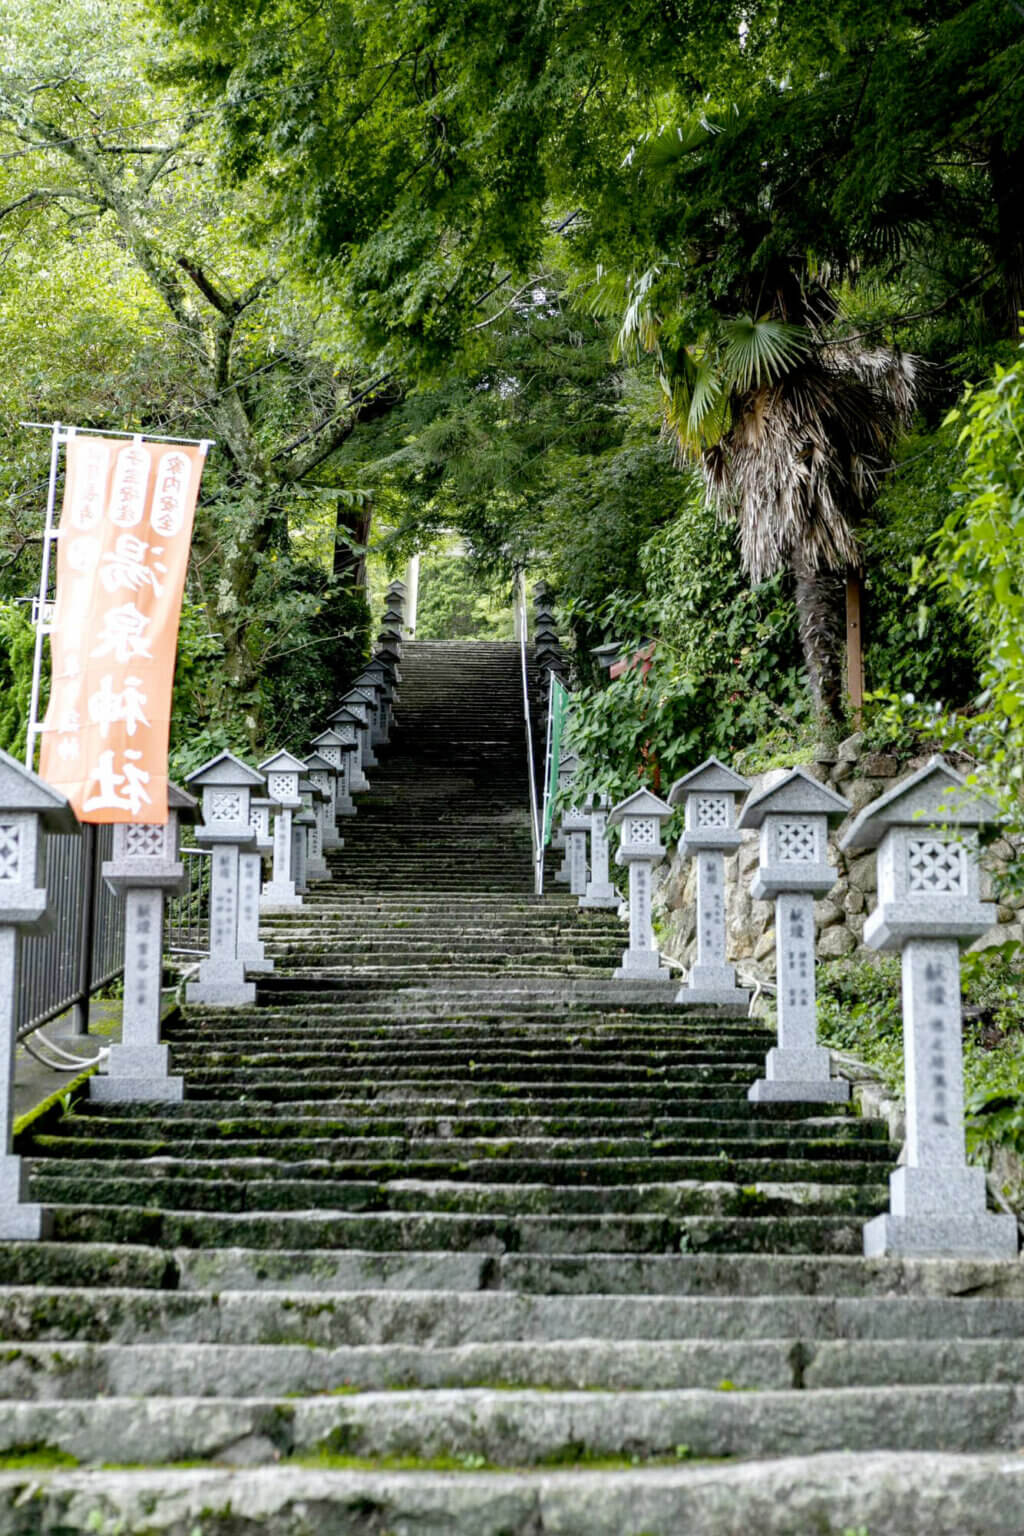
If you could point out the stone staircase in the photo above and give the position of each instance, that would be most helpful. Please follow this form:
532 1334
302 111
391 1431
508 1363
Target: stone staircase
455 1236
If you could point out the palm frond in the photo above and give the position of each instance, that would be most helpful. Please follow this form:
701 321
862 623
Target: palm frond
641 323
759 352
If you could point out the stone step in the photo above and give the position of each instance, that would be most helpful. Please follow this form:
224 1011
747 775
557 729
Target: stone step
294 1161
425 1320
553 1056
650 1278
521 1427
40 1372
478 1196
886 1493
402 1232
697 1083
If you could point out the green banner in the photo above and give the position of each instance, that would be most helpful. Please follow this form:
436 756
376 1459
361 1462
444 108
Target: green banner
559 715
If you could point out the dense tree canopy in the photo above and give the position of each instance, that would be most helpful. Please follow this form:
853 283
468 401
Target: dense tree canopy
513 274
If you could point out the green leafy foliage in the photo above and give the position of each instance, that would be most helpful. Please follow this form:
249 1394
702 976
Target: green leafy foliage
978 564
725 673
17 644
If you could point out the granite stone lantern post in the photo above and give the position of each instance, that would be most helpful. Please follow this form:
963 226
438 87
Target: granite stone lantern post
145 868
793 818
353 716
388 657
251 948
929 905
390 639
373 689
379 674
567 766
600 893
302 821
28 808
227 785
575 826
338 745
356 700
325 771
318 799
641 818
283 772
709 794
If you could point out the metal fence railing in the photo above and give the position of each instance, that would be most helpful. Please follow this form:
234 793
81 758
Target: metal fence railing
84 948
187 916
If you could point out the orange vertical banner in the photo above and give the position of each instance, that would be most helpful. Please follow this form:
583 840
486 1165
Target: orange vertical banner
122 553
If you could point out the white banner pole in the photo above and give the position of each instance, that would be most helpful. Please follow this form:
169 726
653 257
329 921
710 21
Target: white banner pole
42 601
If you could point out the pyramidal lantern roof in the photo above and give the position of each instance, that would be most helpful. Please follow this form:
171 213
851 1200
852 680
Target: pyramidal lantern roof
640 803
177 800
799 793
710 775
225 768
23 790
936 795
328 738
283 762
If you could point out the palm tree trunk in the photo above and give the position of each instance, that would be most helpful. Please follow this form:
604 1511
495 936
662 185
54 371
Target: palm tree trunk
821 612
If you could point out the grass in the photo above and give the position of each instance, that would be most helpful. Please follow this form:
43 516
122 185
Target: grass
35 1455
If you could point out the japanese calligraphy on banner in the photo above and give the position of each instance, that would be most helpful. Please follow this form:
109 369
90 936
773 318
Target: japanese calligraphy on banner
125 531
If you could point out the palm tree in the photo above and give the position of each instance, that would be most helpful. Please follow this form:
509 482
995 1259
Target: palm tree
791 430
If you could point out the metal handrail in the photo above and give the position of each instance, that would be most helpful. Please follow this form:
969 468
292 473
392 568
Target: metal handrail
535 829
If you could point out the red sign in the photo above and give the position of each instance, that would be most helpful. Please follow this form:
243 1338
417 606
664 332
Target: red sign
125 532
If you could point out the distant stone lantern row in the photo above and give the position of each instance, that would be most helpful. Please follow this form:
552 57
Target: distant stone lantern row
295 821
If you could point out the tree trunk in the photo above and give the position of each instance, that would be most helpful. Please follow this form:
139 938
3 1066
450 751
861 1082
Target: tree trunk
821 611
1006 172
353 523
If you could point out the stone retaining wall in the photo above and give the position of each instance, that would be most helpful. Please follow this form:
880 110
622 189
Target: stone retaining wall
839 919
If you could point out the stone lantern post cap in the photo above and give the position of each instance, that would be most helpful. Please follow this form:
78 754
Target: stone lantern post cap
225 769
345 716
387 657
799 794
23 790
318 763
185 804
387 635
328 738
935 795
640 803
262 804
367 679
283 762
709 775
397 585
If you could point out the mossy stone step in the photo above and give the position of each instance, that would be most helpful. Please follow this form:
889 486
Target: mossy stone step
519 1427
401 1232
59 1372
290 1163
888 1493
466 1195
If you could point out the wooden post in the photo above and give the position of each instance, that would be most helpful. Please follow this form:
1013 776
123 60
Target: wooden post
854 646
